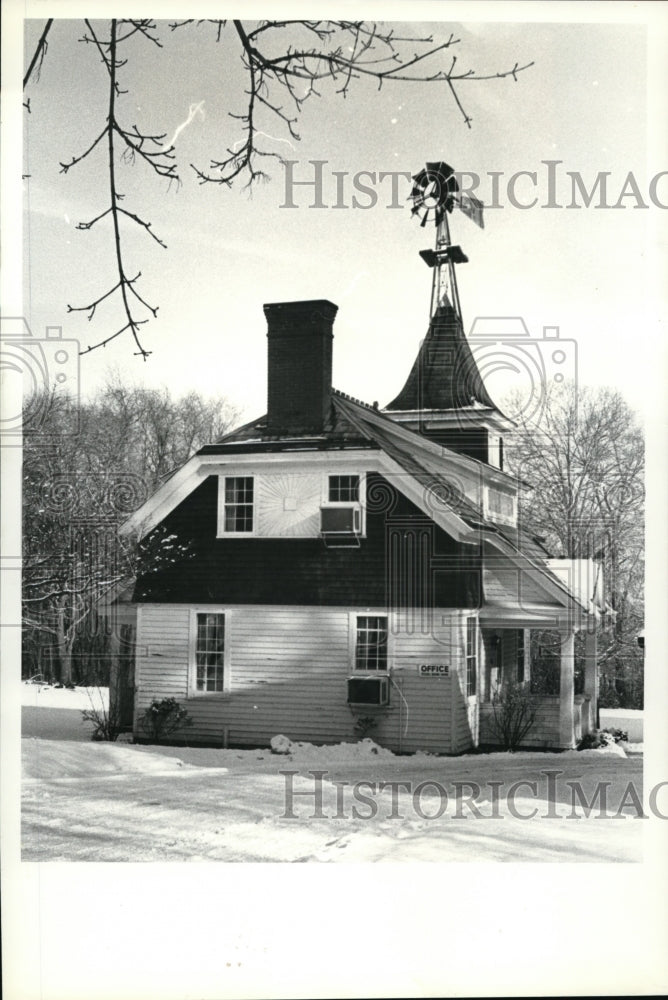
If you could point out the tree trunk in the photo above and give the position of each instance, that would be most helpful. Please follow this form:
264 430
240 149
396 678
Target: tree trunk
64 648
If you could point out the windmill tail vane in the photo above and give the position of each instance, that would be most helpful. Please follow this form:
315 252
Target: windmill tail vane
472 207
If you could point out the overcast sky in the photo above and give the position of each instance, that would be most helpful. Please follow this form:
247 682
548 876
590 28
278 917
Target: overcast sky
583 102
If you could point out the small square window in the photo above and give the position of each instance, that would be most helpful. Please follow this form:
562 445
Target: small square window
344 489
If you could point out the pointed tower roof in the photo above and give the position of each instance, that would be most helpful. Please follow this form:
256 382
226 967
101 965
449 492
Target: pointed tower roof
445 375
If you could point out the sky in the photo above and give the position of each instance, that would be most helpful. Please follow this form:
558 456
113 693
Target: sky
584 102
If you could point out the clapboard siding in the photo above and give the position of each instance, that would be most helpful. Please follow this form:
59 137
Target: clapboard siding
288 674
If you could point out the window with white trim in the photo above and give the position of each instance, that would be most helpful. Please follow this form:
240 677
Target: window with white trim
371 643
520 656
238 505
500 506
209 666
344 489
471 656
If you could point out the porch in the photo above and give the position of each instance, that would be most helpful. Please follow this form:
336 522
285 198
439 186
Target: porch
541 656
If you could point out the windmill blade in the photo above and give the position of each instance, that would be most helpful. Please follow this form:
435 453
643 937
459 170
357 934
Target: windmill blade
436 180
444 174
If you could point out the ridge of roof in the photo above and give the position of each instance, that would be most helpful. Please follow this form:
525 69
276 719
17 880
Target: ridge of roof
337 432
422 442
398 449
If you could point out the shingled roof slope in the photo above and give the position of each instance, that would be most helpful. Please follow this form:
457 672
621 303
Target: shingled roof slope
337 432
444 375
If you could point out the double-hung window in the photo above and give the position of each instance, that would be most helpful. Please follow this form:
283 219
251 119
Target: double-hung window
471 656
238 505
371 643
209 665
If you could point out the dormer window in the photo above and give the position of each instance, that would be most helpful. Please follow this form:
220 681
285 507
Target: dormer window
500 506
344 489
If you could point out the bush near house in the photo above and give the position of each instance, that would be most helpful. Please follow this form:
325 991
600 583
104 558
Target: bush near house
602 738
514 714
106 718
163 717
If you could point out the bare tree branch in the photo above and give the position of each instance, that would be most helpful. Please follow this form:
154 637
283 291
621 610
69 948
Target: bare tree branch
286 63
161 160
363 51
38 55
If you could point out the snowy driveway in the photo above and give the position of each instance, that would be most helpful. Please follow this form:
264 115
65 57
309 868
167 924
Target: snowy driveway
108 802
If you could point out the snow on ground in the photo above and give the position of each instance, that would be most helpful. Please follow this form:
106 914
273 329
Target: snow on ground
48 696
55 713
85 801
105 802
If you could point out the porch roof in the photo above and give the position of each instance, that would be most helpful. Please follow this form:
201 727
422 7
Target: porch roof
529 615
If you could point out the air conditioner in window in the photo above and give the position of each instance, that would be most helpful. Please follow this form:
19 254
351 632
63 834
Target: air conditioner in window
368 690
344 521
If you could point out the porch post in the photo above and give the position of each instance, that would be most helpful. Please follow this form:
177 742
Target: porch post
591 671
114 654
567 689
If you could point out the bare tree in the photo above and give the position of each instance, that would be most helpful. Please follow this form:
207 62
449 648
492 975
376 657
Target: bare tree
151 432
71 555
285 64
585 464
78 487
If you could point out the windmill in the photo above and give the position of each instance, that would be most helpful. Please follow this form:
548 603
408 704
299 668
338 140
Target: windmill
434 194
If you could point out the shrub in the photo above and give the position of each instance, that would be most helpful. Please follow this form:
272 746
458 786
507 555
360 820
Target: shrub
106 719
163 717
602 738
514 714
364 724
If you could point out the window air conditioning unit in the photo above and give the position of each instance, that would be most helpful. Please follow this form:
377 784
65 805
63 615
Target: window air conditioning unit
369 690
344 522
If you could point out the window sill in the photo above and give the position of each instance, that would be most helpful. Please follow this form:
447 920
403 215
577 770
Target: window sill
210 695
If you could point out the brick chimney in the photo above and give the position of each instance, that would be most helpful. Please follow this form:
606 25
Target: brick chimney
299 336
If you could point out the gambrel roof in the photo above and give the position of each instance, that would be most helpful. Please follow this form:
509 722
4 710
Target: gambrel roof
446 486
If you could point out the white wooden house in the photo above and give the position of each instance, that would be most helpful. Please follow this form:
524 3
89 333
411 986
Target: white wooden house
346 562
